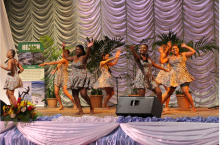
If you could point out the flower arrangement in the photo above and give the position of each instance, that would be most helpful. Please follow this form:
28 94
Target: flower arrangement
23 111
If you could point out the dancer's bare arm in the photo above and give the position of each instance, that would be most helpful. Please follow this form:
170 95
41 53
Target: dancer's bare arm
56 62
158 66
136 56
66 56
190 52
89 45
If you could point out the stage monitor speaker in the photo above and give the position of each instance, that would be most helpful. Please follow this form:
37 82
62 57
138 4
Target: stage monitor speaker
139 106
2 104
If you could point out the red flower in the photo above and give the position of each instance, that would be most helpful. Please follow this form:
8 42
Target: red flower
30 108
19 100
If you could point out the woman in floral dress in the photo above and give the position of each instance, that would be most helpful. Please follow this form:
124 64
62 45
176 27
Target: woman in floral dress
13 81
179 74
144 79
78 80
61 79
105 80
162 75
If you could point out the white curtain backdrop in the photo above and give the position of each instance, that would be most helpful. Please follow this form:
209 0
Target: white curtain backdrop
72 21
6 44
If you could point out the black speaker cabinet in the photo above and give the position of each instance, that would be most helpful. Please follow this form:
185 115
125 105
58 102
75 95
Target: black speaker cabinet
139 106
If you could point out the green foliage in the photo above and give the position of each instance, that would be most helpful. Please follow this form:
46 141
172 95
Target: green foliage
180 92
201 45
96 91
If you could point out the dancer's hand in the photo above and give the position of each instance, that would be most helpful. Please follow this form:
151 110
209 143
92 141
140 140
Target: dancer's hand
118 53
41 65
63 45
53 72
160 50
90 44
131 47
183 45
1 66
166 70
169 43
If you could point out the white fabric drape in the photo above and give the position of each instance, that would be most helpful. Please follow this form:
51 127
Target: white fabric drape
80 130
172 133
6 44
68 133
73 21
3 128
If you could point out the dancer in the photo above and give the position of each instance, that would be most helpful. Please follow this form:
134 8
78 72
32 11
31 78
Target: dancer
144 79
179 74
61 79
13 80
162 75
78 80
105 80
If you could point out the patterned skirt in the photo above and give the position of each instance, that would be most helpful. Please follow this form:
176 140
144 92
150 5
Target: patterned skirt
13 82
141 83
78 79
104 81
163 77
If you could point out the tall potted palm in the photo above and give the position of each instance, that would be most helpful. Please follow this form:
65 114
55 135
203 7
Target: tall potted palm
106 45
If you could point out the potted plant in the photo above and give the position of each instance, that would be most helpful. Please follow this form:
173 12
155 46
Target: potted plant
181 100
51 53
96 98
105 45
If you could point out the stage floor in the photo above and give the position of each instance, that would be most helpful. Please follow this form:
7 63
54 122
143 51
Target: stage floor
99 112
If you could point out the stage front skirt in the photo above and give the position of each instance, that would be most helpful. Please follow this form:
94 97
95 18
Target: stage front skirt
87 129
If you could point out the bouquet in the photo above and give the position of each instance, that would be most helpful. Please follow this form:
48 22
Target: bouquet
23 111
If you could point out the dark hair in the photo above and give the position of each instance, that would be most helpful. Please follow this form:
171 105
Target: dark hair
82 48
102 55
145 54
13 54
68 52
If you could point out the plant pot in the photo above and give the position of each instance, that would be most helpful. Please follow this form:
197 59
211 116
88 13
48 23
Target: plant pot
182 102
52 102
133 95
96 100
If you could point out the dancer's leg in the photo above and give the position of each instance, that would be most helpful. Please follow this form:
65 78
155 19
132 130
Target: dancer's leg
11 96
167 101
168 93
158 92
83 93
57 89
8 97
75 94
109 94
141 92
188 96
70 97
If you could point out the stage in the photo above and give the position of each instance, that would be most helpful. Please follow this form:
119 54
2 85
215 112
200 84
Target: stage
99 112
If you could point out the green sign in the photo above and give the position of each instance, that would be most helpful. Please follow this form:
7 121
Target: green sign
25 46
32 67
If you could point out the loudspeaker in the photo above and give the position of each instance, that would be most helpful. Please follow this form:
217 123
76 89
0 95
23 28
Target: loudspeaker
139 106
1 107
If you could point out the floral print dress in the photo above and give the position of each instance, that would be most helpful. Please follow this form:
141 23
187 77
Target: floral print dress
144 78
105 80
163 76
78 76
13 81
179 73
62 75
